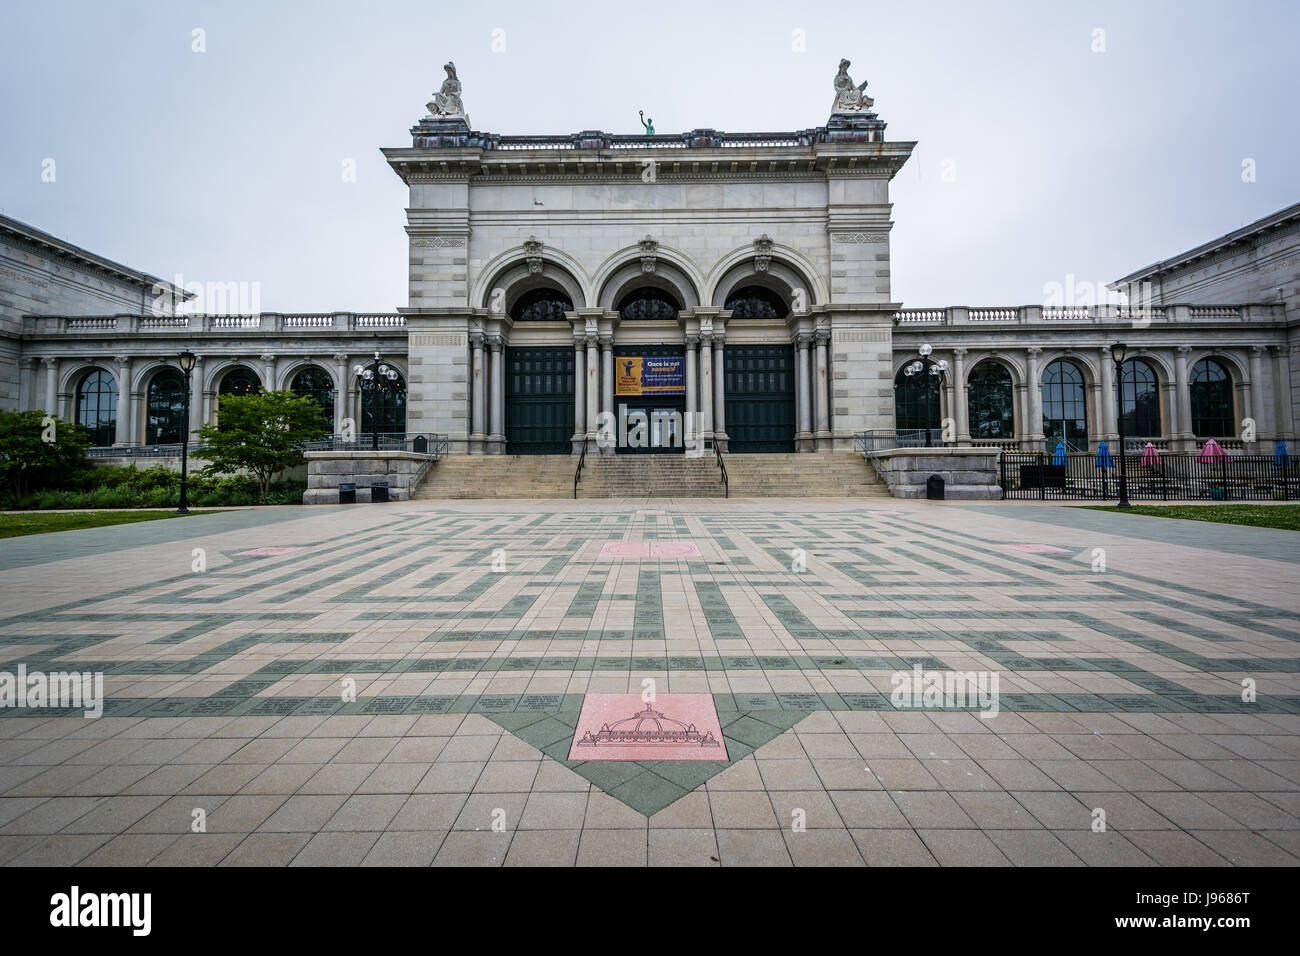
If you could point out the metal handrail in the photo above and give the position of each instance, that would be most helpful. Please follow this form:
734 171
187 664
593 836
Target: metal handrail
726 482
582 459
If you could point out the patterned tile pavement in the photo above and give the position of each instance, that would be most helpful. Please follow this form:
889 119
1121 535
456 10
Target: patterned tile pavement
369 685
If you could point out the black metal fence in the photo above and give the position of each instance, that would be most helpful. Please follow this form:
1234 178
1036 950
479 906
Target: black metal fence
1175 476
419 443
881 439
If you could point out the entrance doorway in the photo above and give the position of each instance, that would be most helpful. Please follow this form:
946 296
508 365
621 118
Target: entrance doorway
760 398
651 426
650 399
539 401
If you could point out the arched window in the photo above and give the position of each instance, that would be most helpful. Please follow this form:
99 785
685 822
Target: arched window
648 304
240 381
541 305
315 383
1139 399
97 406
1065 416
756 302
916 401
1211 388
165 408
384 410
991 401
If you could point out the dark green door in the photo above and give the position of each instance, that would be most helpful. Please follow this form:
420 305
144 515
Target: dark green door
539 401
759 381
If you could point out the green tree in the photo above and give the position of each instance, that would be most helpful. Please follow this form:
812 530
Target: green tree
261 434
37 450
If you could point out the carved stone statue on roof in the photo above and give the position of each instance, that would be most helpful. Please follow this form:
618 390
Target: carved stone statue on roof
446 102
850 98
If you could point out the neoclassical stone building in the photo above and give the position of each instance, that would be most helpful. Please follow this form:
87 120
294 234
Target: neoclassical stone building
651 292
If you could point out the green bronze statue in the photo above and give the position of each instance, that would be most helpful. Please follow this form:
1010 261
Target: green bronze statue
649 124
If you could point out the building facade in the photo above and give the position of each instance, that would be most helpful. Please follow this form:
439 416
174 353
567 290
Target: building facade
660 292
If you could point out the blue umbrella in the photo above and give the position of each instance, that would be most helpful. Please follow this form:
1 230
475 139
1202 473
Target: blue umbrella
1103 456
1280 457
1059 457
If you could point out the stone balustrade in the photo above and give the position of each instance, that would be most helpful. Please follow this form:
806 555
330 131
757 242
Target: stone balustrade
1037 315
272 322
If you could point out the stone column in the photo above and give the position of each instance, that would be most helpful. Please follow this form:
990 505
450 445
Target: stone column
960 407
497 416
706 387
123 434
593 385
478 394
29 393
1022 415
1284 427
821 392
268 371
719 391
340 390
51 385
1035 389
1183 399
1169 405
1109 428
1256 393
803 434
196 395
690 425
607 386
579 390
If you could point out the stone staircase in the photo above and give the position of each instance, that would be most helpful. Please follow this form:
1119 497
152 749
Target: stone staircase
824 474
499 476
650 476
811 475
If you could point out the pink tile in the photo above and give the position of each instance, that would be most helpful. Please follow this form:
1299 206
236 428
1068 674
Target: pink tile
672 727
264 552
1036 548
650 549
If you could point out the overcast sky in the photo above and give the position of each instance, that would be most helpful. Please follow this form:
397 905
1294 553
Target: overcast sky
1046 148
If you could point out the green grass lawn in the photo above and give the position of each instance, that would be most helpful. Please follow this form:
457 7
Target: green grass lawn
41 522
1286 517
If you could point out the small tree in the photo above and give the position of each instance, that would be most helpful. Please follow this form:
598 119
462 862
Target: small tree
261 434
37 450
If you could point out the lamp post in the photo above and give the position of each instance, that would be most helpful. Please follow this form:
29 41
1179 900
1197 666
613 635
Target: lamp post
1117 354
186 360
372 379
935 371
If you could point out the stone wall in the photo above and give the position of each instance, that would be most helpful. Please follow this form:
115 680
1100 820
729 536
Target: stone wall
969 474
326 470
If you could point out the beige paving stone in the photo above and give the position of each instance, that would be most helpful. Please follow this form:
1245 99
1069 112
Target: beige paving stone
475 848
682 847
544 848
267 849
828 847
733 809
752 848
338 848
198 849
956 847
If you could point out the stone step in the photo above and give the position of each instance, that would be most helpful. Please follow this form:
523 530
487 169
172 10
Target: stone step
825 474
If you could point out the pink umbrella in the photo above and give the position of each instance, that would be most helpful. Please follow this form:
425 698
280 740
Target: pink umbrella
1212 452
1150 456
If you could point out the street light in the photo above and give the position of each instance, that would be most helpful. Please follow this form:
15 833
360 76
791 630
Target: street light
936 371
187 359
374 378
1117 354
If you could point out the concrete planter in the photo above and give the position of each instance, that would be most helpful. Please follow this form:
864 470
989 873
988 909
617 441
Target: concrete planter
969 474
326 470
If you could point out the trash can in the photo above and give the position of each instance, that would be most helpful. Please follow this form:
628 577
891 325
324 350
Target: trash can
420 445
934 488
378 491
347 493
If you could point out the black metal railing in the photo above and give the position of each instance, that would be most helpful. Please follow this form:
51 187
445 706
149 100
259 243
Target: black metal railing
420 443
883 439
577 472
1173 476
722 467
166 450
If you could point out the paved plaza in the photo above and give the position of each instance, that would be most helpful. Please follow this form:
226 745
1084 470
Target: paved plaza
401 684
